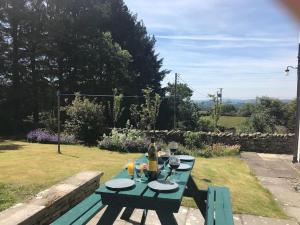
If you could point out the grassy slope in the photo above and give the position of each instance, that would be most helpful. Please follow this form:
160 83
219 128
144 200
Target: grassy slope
28 168
231 121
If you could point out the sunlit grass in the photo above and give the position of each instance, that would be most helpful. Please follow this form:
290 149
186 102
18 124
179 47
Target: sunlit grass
27 168
231 121
248 196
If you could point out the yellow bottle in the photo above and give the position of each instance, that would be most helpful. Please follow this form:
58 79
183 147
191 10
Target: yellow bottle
153 161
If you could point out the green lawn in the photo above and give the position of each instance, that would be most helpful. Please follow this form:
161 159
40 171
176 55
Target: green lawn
27 168
231 121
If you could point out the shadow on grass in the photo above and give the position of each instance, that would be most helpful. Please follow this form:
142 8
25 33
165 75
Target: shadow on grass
8 147
206 180
73 156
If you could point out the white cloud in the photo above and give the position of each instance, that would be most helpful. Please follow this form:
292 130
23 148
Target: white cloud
242 45
224 38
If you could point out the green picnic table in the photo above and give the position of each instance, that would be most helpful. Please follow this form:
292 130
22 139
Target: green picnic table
142 197
213 203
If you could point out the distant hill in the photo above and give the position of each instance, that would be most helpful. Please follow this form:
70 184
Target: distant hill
236 102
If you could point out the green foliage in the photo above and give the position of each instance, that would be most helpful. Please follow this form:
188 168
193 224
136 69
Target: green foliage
290 115
193 140
246 110
208 151
48 120
117 108
186 109
129 140
145 116
267 115
85 45
218 150
228 109
85 119
204 124
260 121
216 110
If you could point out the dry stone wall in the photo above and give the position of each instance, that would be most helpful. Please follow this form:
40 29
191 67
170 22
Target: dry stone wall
255 142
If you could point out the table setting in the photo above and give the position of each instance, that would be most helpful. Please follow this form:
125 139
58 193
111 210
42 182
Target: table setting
155 181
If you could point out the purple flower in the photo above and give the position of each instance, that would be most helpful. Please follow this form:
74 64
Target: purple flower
42 136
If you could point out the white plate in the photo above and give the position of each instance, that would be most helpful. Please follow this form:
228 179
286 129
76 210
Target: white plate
163 186
119 183
184 166
186 158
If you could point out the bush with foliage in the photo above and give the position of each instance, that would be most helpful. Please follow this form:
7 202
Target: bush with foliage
218 149
145 115
209 151
204 124
259 121
193 140
48 120
85 119
290 115
130 140
44 136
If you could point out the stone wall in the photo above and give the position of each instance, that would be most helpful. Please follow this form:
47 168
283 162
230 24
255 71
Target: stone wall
49 204
255 142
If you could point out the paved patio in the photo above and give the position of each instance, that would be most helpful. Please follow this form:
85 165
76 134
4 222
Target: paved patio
190 216
280 176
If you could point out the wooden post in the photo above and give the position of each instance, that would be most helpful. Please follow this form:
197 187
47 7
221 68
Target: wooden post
58 122
175 98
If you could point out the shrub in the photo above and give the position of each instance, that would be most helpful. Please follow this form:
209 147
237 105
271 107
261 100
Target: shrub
48 121
219 149
130 140
193 140
44 136
205 124
86 120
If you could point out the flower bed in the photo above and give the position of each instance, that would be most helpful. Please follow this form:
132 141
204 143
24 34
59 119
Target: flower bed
44 136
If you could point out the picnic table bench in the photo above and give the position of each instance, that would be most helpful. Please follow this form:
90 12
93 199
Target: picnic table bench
213 203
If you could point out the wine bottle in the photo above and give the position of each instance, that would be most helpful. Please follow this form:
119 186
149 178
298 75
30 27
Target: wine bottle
153 160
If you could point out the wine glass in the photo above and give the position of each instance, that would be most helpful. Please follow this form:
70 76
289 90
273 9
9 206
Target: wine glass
174 163
173 146
139 168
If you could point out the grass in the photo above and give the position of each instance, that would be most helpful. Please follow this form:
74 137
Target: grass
27 168
231 121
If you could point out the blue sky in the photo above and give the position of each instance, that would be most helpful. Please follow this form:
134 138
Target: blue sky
242 46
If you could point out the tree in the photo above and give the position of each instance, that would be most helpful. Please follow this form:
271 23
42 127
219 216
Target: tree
262 121
146 115
247 109
84 45
117 108
204 124
228 109
216 110
132 35
85 119
185 107
290 115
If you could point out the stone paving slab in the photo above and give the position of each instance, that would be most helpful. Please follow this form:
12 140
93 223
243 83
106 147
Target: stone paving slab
281 177
191 216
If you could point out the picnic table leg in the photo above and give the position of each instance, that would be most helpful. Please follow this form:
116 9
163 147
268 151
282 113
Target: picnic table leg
127 213
110 215
199 196
143 220
166 218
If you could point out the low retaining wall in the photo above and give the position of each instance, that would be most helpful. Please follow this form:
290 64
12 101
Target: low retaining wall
49 204
255 142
